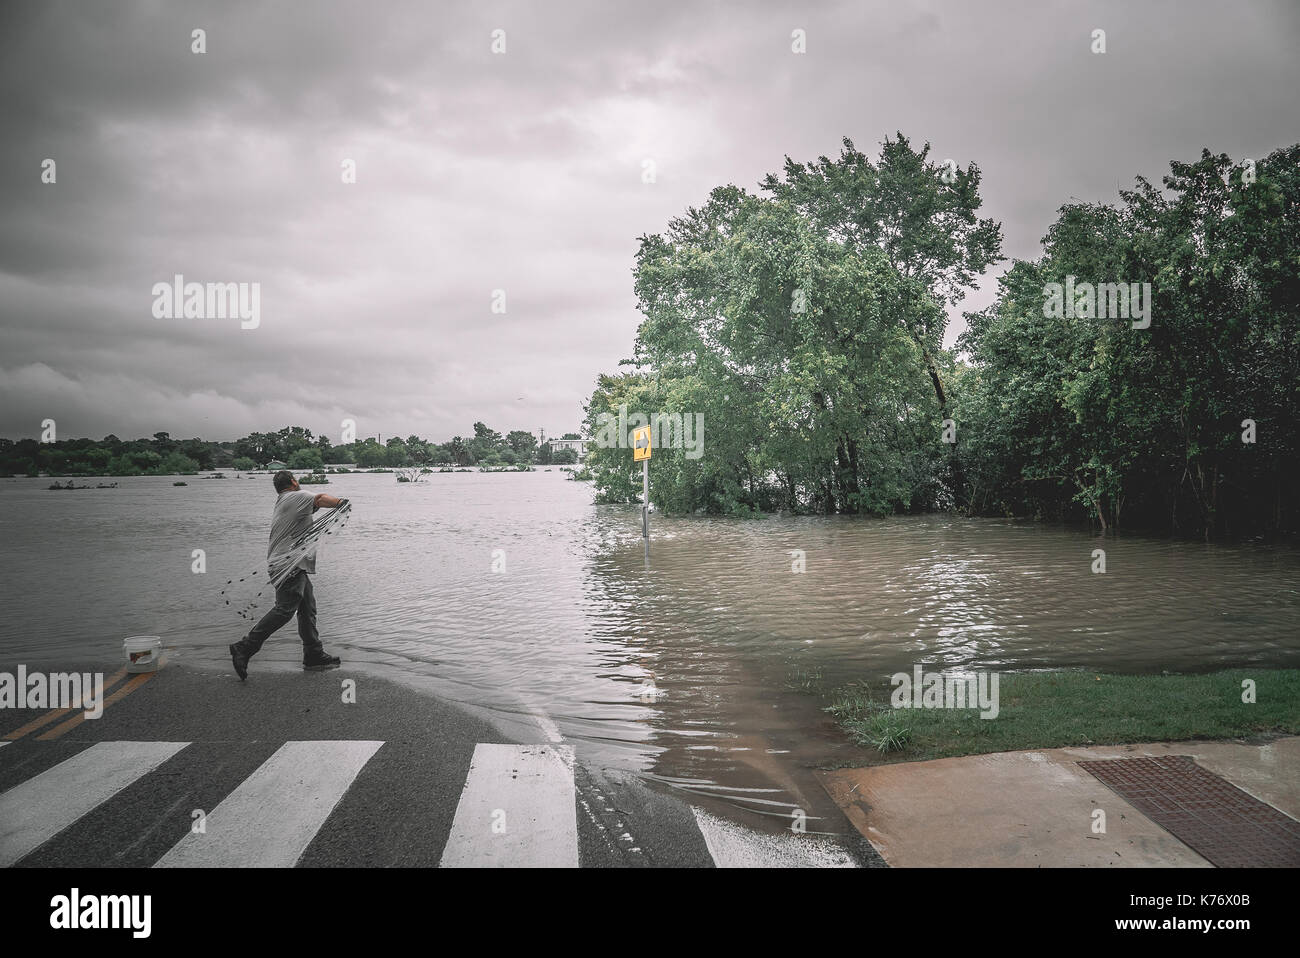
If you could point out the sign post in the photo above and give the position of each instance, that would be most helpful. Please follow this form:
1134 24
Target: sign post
641 454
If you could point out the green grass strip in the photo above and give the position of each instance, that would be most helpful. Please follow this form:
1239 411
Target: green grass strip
1059 709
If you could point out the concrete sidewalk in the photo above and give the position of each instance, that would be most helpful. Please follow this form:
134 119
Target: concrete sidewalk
1029 809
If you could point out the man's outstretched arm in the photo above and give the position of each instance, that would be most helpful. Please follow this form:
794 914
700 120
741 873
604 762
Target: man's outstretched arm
325 501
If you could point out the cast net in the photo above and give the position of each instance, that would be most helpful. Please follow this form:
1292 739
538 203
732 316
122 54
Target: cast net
239 592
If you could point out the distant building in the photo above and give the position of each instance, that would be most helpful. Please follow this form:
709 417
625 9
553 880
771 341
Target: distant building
577 445
276 464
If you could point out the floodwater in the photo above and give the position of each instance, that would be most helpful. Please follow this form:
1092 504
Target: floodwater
514 594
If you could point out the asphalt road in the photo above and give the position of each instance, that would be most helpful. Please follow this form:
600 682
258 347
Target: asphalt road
394 778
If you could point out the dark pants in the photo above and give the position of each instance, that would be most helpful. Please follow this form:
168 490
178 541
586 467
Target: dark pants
293 595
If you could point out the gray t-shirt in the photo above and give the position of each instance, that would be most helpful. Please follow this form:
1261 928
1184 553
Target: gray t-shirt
289 522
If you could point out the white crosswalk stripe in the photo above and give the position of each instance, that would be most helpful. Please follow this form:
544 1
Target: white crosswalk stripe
732 846
35 811
517 810
271 818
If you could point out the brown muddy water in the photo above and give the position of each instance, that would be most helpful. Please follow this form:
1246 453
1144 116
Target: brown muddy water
695 673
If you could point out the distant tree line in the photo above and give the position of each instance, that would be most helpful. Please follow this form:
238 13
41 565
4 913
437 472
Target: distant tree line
295 446
806 323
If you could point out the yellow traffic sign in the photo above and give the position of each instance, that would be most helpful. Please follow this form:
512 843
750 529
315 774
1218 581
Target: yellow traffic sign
640 443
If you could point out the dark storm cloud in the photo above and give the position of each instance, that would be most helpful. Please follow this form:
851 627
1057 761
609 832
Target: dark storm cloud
520 172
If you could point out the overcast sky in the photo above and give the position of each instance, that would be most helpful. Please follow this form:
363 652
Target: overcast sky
519 171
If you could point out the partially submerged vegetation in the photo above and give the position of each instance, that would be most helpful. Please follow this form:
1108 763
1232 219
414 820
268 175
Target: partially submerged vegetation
805 324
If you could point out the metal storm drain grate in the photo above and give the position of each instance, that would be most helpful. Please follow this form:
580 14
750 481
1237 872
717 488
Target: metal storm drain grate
1226 826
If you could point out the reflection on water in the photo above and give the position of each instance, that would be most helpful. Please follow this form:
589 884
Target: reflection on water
689 672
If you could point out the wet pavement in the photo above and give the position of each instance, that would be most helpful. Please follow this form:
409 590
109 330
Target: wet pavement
1054 808
192 767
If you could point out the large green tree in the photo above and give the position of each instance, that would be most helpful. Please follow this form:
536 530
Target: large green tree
920 214
807 326
1095 418
786 340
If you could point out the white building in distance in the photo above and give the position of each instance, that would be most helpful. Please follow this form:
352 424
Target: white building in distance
577 445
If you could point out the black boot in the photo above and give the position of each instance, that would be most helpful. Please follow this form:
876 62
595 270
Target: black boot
319 662
240 661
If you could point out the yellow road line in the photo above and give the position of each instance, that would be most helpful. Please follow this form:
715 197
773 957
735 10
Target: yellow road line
49 717
80 717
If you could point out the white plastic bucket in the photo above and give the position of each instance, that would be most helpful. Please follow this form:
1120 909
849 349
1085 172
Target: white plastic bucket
142 653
